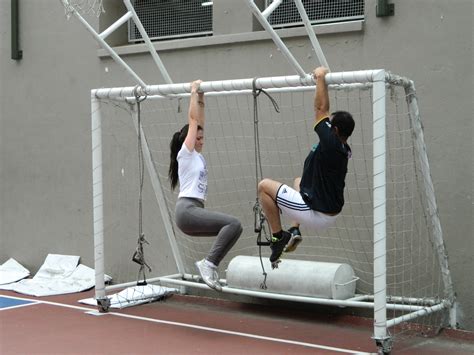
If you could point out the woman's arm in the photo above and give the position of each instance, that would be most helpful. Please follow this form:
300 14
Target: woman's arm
195 114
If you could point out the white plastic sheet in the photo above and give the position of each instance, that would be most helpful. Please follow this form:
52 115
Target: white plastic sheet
12 271
59 274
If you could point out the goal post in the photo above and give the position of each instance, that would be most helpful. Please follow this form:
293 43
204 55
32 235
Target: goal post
379 206
389 230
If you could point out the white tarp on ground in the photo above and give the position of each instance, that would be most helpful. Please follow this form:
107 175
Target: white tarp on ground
135 295
12 271
59 274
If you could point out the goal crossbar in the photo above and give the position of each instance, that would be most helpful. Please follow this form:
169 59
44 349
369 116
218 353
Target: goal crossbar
291 81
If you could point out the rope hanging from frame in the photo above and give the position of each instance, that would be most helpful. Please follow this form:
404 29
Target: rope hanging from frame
139 255
259 216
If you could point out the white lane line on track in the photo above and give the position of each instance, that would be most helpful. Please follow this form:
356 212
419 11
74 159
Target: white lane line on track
209 329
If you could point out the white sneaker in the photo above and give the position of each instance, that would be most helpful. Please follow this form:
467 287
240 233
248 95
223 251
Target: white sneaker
208 274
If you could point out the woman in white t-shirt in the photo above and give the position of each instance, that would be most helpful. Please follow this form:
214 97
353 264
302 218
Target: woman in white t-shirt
188 167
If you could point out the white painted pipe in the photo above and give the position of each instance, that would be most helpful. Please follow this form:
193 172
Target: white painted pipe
432 206
268 11
104 34
149 44
276 39
419 313
97 199
109 49
190 281
380 213
312 36
249 92
363 76
283 297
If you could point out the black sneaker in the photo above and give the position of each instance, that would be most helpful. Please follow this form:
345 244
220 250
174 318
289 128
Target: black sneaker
277 246
295 240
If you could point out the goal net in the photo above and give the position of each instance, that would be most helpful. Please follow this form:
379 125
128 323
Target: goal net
413 262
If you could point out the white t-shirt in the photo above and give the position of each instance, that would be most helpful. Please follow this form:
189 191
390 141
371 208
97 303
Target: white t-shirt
192 174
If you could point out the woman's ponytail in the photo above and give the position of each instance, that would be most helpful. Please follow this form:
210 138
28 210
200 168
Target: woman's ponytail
175 146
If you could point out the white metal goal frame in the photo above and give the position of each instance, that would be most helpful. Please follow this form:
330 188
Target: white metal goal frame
377 79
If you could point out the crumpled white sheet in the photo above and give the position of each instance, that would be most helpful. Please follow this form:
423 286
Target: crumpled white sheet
135 295
12 271
59 274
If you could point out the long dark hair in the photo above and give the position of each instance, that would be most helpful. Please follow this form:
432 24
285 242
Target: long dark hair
175 146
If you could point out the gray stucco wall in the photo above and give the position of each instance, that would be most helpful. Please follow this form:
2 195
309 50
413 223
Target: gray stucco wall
45 177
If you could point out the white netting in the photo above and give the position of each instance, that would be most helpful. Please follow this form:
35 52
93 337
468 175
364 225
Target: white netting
285 140
86 7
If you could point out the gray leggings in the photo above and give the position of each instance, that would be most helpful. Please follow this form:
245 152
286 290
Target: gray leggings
194 220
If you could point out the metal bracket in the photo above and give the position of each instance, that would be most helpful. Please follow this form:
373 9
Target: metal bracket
384 345
103 304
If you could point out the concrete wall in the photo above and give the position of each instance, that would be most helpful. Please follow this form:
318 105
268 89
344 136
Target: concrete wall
45 160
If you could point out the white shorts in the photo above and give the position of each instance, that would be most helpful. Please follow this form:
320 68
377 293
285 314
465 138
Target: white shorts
293 206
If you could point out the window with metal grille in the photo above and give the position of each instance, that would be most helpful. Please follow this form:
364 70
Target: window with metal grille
167 19
319 11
